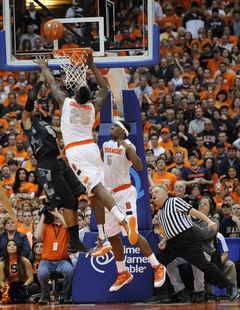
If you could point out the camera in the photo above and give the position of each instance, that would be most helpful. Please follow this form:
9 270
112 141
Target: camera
49 217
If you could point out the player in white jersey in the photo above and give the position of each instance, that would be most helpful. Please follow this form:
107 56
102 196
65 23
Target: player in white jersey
119 155
78 116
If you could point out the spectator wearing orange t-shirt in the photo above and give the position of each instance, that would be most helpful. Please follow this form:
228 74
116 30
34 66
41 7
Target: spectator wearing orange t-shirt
168 178
70 42
201 40
166 143
27 222
229 78
213 64
11 144
176 147
55 239
172 48
158 92
145 124
7 181
218 195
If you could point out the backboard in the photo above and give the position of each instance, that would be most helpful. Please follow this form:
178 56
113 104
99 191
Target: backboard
145 55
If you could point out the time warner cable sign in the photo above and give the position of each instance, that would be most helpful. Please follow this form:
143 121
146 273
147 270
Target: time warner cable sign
95 275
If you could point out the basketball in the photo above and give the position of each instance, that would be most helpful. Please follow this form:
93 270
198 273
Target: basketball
53 29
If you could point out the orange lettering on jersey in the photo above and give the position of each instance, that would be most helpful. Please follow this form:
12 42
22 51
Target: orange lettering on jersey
74 167
86 180
76 105
113 150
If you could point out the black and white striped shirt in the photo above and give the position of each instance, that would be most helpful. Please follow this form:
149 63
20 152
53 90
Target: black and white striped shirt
173 217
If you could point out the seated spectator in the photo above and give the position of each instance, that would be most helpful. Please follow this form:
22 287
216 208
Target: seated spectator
21 188
13 106
230 226
11 144
197 125
170 122
27 222
172 47
210 164
7 181
230 185
226 208
225 123
177 79
143 87
229 78
87 219
153 118
168 178
83 203
189 114
213 64
12 233
54 256
145 124
216 24
210 136
158 150
158 92
20 154
35 260
201 176
217 197
176 147
164 72
187 140
13 259
144 101
218 215
235 108
30 35
231 159
70 42
166 141
200 144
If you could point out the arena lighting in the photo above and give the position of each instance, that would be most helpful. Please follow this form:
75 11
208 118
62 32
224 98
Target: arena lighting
49 3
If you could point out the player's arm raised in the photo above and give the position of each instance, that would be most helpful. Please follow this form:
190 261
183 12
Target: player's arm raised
56 92
103 92
131 155
29 107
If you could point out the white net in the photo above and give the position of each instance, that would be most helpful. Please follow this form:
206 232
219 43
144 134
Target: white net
71 62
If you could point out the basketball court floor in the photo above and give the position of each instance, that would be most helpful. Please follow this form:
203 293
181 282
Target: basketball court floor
210 305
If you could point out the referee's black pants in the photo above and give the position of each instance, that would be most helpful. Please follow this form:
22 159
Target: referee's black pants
188 245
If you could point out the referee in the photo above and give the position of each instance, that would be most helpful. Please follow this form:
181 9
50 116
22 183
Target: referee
182 240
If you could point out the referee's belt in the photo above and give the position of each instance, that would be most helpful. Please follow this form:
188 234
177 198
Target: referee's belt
120 188
77 143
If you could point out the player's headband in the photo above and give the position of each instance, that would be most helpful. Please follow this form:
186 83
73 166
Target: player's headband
123 127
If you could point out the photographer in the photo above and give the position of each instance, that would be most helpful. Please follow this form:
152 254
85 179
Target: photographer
52 231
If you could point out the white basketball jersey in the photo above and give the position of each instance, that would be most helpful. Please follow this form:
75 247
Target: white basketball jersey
77 121
116 164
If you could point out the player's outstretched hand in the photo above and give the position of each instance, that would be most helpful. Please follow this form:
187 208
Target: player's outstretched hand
88 60
41 61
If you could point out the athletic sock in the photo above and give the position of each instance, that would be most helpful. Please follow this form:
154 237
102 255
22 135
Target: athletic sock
73 234
120 266
153 260
102 231
117 213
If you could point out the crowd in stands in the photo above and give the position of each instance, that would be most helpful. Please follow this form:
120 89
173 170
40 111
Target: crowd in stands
190 107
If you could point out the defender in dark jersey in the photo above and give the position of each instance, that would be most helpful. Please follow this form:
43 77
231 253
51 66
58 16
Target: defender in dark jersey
57 179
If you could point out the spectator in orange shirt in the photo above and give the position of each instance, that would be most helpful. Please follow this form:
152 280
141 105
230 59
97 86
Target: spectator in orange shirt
213 64
27 222
229 78
200 144
168 178
23 94
20 154
145 124
21 188
218 195
235 108
201 40
7 181
176 147
136 81
172 48
11 144
230 185
158 92
70 42
166 143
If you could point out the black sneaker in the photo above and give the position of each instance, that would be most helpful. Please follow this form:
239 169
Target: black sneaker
183 295
79 247
233 293
43 300
67 299
200 297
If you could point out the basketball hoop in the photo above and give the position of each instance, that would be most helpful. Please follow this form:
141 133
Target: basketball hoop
71 61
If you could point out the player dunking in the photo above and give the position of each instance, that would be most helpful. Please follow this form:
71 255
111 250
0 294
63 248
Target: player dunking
119 155
78 117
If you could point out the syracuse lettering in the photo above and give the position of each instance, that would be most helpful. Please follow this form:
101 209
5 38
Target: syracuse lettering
113 151
76 105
